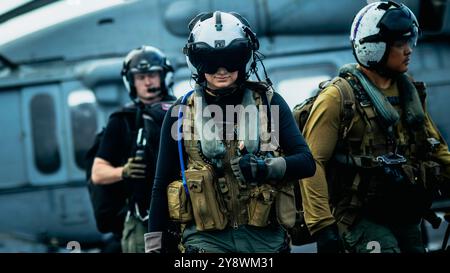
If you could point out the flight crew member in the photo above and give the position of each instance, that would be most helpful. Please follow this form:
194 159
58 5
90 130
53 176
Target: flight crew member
376 174
129 148
235 191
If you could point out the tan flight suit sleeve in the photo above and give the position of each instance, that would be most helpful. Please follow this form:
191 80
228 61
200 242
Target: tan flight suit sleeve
441 155
321 134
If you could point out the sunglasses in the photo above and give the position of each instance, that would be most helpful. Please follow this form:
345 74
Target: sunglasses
207 59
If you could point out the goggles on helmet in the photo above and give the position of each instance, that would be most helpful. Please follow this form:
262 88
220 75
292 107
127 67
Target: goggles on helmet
397 24
144 68
207 59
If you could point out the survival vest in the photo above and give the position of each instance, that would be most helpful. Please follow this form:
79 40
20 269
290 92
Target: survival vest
214 198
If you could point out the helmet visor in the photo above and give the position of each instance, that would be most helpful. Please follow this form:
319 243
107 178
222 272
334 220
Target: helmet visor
207 59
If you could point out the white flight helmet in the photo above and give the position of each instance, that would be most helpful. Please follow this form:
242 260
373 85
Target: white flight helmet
220 39
376 27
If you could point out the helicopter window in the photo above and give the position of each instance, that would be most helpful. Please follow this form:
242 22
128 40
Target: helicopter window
83 117
3 70
290 89
43 123
12 169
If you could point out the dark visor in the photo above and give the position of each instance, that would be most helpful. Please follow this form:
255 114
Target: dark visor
207 59
396 24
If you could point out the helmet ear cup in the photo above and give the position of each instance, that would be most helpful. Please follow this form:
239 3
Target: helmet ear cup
127 78
167 76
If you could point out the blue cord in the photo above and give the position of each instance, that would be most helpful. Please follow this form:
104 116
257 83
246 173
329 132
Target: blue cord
180 141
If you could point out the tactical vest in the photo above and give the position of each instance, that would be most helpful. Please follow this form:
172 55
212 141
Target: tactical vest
219 200
386 173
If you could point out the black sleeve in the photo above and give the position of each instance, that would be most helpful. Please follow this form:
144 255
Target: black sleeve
299 160
113 144
167 170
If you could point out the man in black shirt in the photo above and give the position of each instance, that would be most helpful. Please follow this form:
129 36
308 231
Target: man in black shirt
128 151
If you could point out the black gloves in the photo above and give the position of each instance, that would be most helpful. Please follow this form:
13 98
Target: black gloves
329 241
249 168
134 168
252 169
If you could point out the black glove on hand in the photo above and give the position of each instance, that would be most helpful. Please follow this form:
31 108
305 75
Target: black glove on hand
329 241
252 169
134 169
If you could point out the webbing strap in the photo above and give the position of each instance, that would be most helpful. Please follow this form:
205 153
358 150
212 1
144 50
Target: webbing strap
180 139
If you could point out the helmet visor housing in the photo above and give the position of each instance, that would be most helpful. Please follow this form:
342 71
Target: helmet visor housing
397 24
207 59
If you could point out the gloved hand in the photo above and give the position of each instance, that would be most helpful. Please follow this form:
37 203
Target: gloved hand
329 241
153 242
252 169
134 168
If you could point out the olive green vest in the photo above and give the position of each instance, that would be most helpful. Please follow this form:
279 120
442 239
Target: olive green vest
218 199
355 171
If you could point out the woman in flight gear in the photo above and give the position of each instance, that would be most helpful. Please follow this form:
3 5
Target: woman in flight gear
239 150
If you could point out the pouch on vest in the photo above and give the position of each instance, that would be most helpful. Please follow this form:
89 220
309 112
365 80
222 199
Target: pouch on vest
204 199
285 206
261 199
180 208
